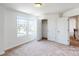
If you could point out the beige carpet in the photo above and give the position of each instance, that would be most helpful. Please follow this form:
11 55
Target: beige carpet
43 48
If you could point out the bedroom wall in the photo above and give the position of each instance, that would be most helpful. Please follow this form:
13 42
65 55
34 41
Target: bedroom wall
8 26
10 33
57 28
1 30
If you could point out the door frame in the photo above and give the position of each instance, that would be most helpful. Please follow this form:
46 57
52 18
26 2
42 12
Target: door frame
42 29
69 26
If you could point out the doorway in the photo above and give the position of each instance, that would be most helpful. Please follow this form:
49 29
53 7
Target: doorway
44 28
73 31
72 26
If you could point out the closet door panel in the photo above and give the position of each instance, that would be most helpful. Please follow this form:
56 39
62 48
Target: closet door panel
52 29
62 31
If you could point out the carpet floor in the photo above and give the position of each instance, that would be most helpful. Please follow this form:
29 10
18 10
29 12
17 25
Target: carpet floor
43 48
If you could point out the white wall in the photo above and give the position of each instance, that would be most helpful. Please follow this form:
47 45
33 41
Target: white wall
57 28
10 37
72 12
10 29
52 26
1 30
8 25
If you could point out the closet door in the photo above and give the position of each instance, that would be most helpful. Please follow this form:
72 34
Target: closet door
62 31
52 29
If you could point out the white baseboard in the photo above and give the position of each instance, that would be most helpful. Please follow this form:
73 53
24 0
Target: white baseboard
1 53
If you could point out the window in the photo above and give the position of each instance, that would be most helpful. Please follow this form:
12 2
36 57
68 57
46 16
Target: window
32 29
21 26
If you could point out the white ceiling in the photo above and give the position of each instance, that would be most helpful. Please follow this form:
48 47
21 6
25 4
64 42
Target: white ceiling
46 7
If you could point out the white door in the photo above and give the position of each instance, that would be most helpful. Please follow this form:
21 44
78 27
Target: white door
62 31
52 29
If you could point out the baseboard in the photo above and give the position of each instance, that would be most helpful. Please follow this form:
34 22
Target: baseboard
18 45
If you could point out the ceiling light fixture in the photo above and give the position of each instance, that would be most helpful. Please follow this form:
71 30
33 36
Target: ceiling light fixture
38 4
